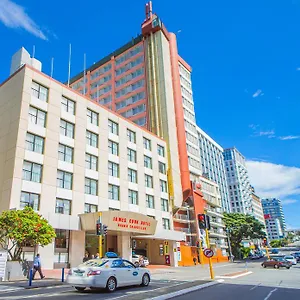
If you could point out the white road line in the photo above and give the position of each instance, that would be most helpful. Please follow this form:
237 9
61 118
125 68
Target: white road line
253 288
270 294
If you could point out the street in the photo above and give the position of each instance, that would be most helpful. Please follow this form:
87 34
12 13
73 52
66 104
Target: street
233 281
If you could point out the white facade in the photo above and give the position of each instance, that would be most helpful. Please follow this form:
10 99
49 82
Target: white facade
238 182
257 208
65 155
192 142
217 234
274 229
213 165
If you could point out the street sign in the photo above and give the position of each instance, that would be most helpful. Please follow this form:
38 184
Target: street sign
208 252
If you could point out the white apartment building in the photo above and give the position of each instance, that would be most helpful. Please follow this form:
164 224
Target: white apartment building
69 158
257 207
238 182
213 165
212 196
192 142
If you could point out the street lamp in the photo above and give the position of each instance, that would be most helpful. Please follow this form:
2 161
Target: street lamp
229 244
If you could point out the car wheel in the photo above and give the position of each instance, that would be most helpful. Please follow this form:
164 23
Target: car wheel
276 267
80 288
111 284
288 268
145 280
264 266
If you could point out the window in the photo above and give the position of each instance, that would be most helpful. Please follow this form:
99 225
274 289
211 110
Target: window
148 181
63 207
166 223
113 147
113 192
37 116
133 197
164 204
162 167
91 186
163 186
65 153
61 246
91 162
113 127
64 180
30 199
161 150
90 208
147 162
32 171
92 139
113 169
147 144
39 91
93 117
131 154
131 136
149 201
34 143
68 105
67 129
132 175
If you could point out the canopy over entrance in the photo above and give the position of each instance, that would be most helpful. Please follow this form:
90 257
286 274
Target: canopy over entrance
120 221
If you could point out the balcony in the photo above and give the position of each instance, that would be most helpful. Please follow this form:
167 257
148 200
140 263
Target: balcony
183 218
216 224
217 233
188 231
214 211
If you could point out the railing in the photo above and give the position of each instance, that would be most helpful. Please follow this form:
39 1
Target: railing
183 217
186 230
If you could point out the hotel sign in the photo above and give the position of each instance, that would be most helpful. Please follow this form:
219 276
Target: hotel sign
124 221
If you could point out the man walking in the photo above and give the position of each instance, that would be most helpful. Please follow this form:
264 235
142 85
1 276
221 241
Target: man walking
37 266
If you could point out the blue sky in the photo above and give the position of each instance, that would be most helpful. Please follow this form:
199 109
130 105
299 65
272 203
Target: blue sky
245 57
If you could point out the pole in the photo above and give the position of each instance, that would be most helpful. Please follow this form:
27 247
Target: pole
189 225
212 274
267 252
69 64
62 274
100 236
229 245
30 277
52 66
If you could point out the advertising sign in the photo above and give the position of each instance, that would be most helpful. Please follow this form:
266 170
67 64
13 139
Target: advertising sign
3 260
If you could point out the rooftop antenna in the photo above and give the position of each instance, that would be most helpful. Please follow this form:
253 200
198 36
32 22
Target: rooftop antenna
33 51
69 68
84 67
52 66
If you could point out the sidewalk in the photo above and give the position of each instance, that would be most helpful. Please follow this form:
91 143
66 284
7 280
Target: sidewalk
24 284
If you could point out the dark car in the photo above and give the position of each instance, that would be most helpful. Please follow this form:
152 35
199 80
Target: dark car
274 251
297 256
277 263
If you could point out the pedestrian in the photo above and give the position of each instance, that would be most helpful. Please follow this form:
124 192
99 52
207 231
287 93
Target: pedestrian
93 256
37 266
86 257
97 255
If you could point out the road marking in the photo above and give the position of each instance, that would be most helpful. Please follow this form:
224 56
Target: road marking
235 276
270 294
253 288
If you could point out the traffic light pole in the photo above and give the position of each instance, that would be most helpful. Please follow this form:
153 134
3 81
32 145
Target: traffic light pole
267 251
100 237
211 270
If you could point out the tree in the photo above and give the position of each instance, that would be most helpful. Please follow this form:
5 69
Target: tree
240 227
275 243
19 228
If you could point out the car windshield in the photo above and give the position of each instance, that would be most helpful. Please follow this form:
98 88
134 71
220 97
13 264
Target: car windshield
279 259
94 263
289 257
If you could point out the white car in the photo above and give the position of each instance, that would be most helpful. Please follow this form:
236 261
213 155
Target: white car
137 259
109 273
291 258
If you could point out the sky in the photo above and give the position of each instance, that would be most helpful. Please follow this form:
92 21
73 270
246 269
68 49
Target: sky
245 57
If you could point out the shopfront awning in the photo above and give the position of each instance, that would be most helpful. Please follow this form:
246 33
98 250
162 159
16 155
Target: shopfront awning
167 235
120 221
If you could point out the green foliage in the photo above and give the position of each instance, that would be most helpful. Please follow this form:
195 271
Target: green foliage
23 227
240 227
279 243
245 251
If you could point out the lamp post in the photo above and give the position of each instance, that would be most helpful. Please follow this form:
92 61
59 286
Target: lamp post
189 224
229 244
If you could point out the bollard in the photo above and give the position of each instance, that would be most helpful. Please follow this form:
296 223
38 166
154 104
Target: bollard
62 274
30 277
246 265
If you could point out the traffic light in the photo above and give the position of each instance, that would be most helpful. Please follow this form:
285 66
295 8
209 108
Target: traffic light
198 244
104 229
203 221
265 242
99 229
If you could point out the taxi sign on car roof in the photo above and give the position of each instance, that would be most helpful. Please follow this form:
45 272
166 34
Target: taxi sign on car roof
111 255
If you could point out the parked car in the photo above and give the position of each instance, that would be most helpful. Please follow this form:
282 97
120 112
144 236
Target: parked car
109 273
296 255
291 258
277 263
140 260
274 251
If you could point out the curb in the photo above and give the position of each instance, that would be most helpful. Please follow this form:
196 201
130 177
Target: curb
186 291
43 286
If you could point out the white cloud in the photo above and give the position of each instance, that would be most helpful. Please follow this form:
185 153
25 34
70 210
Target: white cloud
288 201
272 180
289 137
13 15
257 93
268 133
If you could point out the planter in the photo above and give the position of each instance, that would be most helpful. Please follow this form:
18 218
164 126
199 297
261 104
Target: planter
17 270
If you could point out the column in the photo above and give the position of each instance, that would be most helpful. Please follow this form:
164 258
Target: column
76 247
124 246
